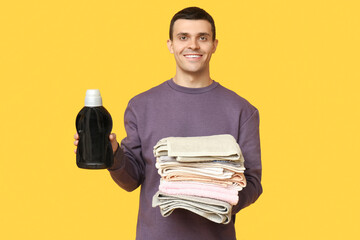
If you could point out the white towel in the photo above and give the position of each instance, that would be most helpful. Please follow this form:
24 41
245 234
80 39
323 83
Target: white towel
234 166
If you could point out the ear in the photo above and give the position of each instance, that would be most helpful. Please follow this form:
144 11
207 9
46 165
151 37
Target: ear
170 46
215 43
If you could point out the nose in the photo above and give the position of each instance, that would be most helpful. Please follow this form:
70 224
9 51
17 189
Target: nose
193 44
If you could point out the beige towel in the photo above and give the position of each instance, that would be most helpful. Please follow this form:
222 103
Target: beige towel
205 148
237 180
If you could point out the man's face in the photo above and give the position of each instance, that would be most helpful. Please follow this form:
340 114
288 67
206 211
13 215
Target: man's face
192 45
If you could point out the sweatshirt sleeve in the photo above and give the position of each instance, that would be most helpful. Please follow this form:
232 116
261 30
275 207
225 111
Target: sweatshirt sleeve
249 142
129 167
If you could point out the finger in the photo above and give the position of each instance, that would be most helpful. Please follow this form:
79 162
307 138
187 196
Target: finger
76 142
113 141
112 137
114 146
75 150
76 136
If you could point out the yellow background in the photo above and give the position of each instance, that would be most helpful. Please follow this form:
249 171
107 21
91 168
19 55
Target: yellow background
296 61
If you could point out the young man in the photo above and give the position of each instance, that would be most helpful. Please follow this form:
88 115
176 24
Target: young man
189 104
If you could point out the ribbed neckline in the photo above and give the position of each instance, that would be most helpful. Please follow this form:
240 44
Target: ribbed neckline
179 88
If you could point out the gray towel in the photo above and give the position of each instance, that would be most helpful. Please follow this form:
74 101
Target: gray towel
205 148
214 210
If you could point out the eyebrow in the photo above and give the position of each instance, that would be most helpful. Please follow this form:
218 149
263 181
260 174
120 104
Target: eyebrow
187 34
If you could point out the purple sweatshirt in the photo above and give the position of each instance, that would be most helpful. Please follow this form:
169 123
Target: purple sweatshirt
170 110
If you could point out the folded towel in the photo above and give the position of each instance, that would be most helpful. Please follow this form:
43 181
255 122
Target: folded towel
166 162
198 185
201 190
240 179
200 174
205 148
210 158
214 210
238 185
216 173
220 172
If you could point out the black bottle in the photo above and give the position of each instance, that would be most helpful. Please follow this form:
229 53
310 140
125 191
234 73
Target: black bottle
94 124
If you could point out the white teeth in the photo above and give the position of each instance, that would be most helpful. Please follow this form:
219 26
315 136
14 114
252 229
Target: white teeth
193 56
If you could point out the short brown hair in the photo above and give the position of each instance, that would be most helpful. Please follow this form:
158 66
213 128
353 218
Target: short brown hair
192 13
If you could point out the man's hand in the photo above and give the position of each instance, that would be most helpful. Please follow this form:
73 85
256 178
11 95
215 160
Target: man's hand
112 138
114 143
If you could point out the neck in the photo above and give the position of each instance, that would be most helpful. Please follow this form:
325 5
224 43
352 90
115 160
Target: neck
192 80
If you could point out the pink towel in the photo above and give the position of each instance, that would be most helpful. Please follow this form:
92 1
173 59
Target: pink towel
200 186
227 194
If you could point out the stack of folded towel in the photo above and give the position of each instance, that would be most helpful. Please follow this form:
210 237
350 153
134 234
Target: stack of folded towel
200 174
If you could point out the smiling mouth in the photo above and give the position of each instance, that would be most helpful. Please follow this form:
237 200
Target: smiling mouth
193 56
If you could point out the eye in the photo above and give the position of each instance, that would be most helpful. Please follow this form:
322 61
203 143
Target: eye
182 37
203 38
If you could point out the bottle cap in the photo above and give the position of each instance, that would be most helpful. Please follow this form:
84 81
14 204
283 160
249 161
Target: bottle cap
93 98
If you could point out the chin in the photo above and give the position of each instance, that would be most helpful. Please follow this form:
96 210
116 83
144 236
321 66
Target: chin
194 70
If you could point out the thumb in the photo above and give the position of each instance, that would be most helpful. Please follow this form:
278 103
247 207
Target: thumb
114 143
